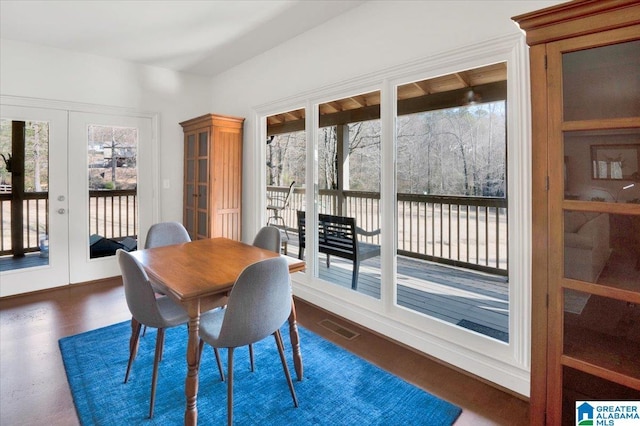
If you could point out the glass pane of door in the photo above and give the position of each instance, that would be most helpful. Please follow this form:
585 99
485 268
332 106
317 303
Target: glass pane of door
24 195
113 182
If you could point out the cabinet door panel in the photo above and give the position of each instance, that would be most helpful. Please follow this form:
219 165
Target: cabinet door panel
602 82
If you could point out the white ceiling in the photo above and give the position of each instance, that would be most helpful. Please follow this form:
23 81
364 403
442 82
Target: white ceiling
203 37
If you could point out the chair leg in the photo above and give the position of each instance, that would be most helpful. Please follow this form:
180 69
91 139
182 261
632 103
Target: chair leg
354 277
278 337
156 361
251 357
284 225
215 351
230 388
200 348
133 349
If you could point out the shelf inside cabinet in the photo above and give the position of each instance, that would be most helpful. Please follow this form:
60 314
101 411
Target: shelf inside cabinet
595 126
596 370
602 337
621 291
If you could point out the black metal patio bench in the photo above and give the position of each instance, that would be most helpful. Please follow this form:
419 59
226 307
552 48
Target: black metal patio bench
338 236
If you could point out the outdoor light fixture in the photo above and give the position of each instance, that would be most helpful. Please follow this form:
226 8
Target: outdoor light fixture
471 98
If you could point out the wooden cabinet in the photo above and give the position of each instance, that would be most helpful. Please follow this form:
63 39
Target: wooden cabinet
585 90
213 176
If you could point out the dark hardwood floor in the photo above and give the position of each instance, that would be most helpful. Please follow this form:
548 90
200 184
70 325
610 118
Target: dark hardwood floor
33 384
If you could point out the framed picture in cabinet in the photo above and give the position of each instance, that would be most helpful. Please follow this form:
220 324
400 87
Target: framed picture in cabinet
615 162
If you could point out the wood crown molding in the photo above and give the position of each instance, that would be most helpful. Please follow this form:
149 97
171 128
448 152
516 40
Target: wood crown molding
580 17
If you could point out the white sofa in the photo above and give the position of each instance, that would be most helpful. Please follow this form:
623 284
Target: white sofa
586 241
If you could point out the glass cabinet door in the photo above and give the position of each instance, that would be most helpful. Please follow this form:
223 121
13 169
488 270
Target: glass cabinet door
196 185
596 221
202 192
189 184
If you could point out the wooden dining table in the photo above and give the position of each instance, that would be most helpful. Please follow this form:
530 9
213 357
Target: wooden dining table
199 275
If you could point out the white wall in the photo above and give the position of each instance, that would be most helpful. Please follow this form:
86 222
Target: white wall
33 71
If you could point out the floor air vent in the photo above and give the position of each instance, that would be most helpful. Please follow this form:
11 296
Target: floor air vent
338 329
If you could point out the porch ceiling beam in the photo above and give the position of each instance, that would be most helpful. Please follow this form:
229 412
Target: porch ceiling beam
463 78
424 86
490 92
360 100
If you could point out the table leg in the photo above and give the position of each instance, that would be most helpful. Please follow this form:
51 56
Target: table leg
295 341
191 383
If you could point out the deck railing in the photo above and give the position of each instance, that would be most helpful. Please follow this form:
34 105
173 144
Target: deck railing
112 214
464 231
35 221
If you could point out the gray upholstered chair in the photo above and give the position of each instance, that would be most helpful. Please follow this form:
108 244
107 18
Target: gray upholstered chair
148 310
268 238
166 233
258 305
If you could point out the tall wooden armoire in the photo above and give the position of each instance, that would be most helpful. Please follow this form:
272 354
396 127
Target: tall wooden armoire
585 91
213 176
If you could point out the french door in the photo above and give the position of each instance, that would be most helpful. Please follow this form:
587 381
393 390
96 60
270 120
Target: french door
44 197
96 184
111 185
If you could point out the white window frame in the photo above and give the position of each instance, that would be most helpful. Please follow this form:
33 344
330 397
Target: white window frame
506 364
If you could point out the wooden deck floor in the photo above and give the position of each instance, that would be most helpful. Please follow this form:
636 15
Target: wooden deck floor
30 260
469 299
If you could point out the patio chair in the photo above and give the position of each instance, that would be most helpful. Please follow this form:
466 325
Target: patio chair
276 204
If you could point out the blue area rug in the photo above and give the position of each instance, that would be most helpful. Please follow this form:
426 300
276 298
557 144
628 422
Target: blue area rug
338 388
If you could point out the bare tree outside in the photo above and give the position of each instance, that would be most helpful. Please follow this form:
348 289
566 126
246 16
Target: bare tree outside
112 157
286 159
457 151
36 167
364 156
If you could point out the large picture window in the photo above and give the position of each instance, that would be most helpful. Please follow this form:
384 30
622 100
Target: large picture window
452 206
426 167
